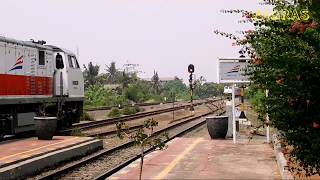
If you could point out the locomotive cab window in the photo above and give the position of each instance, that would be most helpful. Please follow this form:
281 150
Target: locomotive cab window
75 62
70 61
59 62
41 58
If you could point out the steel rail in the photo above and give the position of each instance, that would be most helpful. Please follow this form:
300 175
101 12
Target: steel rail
111 121
127 105
112 132
108 173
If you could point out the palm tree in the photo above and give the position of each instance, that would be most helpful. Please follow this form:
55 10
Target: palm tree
112 73
90 74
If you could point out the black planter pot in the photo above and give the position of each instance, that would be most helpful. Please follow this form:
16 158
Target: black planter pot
45 127
217 126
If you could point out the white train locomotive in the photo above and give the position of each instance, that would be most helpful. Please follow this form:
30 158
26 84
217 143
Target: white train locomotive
33 74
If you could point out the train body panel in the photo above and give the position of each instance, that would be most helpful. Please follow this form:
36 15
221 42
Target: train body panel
22 74
31 75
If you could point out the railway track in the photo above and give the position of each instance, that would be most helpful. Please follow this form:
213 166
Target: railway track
107 161
110 172
112 132
112 121
127 105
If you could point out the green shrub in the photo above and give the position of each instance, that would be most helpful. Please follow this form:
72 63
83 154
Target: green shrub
131 110
128 111
115 112
137 109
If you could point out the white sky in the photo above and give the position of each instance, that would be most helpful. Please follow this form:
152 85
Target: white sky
161 35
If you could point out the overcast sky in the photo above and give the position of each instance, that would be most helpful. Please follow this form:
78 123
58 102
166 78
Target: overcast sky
161 35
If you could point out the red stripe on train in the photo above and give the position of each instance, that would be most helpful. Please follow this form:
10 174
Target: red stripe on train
11 85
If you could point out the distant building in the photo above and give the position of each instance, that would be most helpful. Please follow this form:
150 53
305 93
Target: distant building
161 79
112 86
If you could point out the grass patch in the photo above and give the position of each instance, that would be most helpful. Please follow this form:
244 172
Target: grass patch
76 132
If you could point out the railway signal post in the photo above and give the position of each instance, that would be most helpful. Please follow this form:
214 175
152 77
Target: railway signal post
191 71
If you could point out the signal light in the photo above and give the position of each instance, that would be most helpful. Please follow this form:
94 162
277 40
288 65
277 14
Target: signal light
191 68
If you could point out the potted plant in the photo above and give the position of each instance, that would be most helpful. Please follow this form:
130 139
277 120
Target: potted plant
217 126
45 126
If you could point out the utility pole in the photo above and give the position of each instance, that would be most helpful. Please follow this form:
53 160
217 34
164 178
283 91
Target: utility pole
191 71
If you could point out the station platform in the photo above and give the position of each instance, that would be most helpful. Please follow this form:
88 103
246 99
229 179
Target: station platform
23 157
203 158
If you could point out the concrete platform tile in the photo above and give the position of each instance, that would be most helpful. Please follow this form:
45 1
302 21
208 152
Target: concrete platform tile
210 159
24 163
18 150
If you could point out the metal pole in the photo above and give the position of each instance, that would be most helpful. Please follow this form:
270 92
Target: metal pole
267 120
191 92
173 108
233 115
191 98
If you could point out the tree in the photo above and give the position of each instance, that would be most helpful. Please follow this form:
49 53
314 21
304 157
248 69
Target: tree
176 87
285 53
97 95
112 73
155 82
125 79
90 74
206 90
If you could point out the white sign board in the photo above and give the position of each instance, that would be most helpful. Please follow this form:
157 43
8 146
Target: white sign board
232 70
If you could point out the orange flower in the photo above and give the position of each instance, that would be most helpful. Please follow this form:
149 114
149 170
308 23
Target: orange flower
315 125
313 25
280 81
302 29
298 27
285 150
291 102
257 61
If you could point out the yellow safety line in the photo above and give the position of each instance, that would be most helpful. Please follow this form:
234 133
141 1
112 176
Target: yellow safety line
173 163
38 148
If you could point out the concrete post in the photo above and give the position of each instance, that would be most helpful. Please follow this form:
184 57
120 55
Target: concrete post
234 114
229 114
